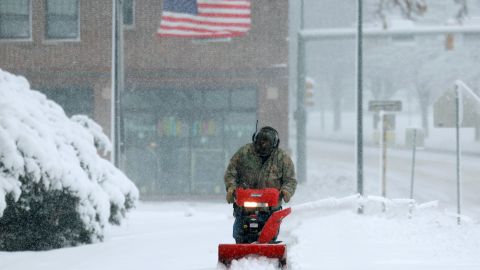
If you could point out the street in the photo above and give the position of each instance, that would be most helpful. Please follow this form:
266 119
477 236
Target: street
435 173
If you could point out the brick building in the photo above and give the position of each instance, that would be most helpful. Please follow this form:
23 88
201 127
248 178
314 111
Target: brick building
188 104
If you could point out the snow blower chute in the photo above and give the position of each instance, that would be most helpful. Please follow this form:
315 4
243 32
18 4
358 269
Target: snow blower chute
260 217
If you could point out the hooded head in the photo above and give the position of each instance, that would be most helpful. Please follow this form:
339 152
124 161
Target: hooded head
265 141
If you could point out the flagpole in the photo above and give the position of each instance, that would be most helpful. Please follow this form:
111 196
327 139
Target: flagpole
300 114
117 81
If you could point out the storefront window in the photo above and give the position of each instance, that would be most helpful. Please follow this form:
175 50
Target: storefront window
216 99
239 128
244 99
140 128
172 126
201 124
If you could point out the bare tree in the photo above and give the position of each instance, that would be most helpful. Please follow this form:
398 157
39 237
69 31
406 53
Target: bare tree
462 12
424 95
410 9
332 65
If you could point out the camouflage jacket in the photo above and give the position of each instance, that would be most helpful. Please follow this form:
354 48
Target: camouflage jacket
246 170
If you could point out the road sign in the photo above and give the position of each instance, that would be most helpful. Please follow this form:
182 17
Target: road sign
444 113
385 105
388 120
414 137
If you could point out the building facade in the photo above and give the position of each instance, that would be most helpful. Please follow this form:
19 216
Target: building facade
187 105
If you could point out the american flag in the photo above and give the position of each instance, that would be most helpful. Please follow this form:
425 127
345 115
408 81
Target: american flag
205 18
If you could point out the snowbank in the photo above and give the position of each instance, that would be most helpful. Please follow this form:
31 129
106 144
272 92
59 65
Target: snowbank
420 237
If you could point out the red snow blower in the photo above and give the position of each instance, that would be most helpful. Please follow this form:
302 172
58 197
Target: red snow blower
260 219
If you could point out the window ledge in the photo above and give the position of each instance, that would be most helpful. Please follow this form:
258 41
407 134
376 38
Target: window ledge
60 41
12 40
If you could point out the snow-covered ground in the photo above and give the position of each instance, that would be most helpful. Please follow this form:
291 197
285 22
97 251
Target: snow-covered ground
325 233
180 235
324 230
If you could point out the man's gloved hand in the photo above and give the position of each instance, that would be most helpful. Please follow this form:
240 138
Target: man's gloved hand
230 195
286 195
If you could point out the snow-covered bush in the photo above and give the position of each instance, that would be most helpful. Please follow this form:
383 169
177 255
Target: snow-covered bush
55 188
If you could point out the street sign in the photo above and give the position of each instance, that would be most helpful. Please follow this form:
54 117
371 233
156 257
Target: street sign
388 120
385 105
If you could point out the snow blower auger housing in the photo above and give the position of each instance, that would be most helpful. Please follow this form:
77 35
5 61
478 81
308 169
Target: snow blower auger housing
261 216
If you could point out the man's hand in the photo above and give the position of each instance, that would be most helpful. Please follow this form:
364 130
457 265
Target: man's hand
286 195
230 195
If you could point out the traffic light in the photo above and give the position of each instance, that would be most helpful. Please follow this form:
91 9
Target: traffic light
449 42
309 91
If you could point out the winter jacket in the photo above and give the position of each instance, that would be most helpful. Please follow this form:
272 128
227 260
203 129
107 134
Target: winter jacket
246 170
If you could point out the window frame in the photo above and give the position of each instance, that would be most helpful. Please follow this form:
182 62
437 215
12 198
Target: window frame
30 25
63 39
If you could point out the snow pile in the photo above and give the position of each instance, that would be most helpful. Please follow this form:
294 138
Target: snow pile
381 242
389 233
370 205
42 150
252 262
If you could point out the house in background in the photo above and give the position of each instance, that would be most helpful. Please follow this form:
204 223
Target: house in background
188 104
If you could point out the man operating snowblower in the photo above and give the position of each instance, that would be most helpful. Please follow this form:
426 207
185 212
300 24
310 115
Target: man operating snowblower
259 165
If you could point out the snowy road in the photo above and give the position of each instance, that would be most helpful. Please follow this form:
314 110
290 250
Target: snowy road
435 173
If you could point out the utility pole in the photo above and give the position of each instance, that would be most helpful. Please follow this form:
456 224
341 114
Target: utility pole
117 81
458 119
300 114
359 70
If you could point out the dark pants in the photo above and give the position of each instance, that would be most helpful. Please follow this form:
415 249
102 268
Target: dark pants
237 229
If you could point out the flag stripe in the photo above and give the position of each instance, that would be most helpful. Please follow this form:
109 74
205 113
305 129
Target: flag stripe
243 23
183 33
211 19
190 29
210 26
193 35
224 2
199 19
223 15
225 6
224 11
202 28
